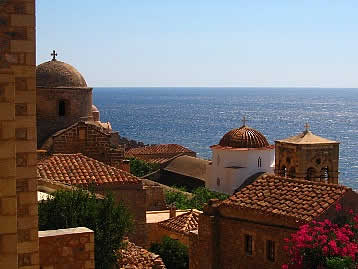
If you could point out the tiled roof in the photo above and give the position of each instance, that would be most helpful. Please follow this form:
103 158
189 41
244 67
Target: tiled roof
244 137
307 137
188 166
182 224
301 200
78 169
134 257
158 149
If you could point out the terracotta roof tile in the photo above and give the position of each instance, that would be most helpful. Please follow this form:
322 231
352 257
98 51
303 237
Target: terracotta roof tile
77 169
158 149
183 223
300 199
134 257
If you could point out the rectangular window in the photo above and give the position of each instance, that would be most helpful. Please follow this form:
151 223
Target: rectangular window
270 250
248 244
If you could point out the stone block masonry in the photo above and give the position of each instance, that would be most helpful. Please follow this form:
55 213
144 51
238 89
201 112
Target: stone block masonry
67 248
18 214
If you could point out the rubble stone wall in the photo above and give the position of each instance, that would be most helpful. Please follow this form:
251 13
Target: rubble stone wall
67 248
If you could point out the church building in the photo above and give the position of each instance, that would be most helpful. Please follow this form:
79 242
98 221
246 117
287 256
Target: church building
241 153
307 156
67 120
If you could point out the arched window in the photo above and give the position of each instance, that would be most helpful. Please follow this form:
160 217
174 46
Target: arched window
62 108
259 162
218 181
310 173
283 171
324 174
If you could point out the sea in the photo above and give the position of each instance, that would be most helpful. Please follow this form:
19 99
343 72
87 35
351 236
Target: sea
198 117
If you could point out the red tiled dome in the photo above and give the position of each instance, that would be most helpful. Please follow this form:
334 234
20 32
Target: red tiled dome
244 137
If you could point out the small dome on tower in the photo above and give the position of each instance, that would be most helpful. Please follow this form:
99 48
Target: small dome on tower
244 137
54 73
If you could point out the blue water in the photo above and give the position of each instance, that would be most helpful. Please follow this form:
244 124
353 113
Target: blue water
199 117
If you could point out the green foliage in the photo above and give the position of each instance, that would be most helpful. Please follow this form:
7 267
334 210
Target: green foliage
340 263
79 208
140 168
173 253
200 197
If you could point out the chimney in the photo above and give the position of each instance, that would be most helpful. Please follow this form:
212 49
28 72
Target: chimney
172 211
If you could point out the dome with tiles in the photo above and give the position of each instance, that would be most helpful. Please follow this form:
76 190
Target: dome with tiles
54 73
244 137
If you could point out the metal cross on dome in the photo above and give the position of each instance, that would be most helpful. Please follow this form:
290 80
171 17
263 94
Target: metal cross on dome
244 121
53 54
307 127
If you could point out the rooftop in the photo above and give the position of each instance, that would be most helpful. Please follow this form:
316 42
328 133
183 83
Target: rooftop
158 149
78 169
307 137
183 223
158 216
57 74
244 137
301 200
135 257
188 166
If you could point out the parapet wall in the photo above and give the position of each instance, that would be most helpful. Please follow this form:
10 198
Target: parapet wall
67 248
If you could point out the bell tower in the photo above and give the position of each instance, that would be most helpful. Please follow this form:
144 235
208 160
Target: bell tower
307 156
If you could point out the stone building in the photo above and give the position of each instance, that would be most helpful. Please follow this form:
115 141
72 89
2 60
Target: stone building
92 140
80 170
178 226
241 153
63 97
307 156
248 229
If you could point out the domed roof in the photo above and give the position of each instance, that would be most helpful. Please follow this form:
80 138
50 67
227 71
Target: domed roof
244 137
55 73
94 108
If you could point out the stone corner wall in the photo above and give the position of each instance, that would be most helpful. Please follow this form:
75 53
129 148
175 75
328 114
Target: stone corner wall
18 198
193 247
67 248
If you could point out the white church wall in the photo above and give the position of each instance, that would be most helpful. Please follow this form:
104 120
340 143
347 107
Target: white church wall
230 168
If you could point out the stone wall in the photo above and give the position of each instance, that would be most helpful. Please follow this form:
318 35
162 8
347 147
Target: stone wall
193 248
78 106
155 234
154 197
294 161
18 199
91 140
221 244
67 248
133 197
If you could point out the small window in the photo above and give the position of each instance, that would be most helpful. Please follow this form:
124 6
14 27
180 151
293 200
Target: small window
270 250
218 181
62 108
259 162
248 244
324 174
284 171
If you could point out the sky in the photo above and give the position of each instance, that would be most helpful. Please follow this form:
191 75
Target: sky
203 43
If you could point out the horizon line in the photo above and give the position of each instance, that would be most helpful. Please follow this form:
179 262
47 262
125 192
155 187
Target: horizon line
234 87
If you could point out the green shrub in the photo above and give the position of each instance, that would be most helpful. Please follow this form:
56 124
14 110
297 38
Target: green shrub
200 197
173 253
141 168
79 208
